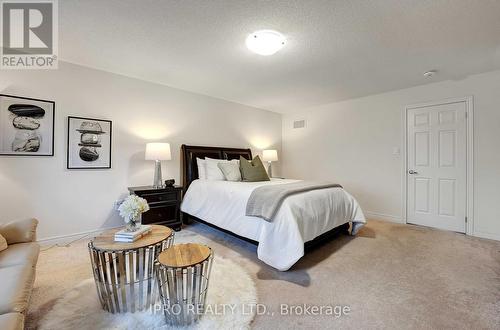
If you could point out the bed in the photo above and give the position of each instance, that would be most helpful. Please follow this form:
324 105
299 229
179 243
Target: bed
302 220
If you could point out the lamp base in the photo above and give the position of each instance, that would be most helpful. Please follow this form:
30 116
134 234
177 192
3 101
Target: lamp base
158 181
269 169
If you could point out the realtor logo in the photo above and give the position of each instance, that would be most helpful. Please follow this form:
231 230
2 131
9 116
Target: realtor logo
29 34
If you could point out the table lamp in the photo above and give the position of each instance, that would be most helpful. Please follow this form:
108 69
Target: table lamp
270 156
158 152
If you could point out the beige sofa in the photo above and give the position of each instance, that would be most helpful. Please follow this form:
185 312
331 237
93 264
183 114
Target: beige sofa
17 271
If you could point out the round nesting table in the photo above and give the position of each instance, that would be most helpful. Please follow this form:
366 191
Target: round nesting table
124 272
182 273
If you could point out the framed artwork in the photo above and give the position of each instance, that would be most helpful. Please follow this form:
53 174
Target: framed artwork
89 143
26 126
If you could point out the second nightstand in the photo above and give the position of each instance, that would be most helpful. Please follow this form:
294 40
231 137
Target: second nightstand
164 205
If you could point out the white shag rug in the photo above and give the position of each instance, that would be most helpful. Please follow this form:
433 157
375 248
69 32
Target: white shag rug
229 285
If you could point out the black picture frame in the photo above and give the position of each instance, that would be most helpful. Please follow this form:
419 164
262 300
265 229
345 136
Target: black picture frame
70 143
52 121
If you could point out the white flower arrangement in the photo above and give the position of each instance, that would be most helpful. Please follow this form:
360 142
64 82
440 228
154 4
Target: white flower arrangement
132 207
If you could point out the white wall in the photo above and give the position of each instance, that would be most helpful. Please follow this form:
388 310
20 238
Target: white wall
352 143
73 201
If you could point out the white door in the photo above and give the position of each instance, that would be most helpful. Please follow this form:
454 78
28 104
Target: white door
437 166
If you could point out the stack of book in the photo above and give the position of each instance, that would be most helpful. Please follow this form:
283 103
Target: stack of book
131 236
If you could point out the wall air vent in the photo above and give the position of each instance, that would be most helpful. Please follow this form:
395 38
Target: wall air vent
299 123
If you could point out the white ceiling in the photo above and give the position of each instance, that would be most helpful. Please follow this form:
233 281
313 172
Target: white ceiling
337 49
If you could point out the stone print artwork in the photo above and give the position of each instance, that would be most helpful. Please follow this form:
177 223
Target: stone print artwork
26 121
26 126
90 140
89 143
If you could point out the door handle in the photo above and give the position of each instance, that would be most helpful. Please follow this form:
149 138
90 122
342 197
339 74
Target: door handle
412 172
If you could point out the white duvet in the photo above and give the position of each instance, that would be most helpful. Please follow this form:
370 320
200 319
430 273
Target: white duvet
301 217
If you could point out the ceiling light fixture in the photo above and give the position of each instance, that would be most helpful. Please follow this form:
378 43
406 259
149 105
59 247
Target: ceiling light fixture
430 73
265 42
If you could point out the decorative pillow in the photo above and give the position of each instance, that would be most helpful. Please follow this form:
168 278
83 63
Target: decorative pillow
3 243
20 231
202 168
253 170
214 173
231 170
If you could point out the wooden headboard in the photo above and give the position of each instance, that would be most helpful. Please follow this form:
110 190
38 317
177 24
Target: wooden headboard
190 153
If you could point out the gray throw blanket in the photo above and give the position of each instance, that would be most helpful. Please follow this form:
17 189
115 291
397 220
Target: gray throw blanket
265 201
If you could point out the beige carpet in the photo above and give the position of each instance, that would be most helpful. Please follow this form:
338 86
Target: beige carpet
390 276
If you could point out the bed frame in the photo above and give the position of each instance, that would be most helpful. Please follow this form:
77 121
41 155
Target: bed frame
190 173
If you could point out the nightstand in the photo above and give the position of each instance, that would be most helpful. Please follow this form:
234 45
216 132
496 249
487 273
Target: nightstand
164 205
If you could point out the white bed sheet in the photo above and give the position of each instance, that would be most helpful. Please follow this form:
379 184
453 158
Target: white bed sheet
301 218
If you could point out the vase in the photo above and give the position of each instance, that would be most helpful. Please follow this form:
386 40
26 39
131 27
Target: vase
134 224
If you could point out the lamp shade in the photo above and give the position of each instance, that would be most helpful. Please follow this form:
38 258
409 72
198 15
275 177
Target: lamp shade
270 155
158 151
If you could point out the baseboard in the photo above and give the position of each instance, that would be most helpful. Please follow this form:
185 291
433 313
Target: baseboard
495 237
383 217
64 239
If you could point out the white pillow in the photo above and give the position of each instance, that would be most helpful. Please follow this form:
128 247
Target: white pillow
3 243
202 168
214 173
231 170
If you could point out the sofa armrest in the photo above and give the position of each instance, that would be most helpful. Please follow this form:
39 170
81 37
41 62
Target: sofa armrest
21 231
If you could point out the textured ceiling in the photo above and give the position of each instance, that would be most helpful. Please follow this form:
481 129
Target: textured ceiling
337 49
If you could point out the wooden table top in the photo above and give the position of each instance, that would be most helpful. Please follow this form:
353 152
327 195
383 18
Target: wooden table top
106 240
184 255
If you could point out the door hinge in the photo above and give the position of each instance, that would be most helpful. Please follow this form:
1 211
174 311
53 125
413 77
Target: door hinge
466 115
465 219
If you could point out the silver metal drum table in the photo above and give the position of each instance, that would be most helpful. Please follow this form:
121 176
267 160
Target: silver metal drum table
124 272
183 272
